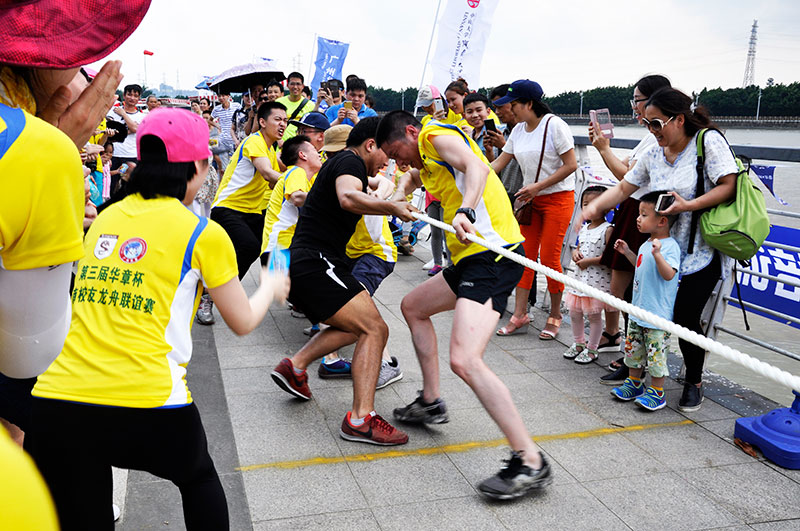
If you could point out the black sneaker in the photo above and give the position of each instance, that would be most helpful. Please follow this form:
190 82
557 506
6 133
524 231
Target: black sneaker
516 479
420 412
691 398
615 378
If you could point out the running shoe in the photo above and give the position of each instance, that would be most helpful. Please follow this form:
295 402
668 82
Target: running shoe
289 381
628 390
340 368
420 412
574 350
296 313
435 269
516 479
390 373
375 430
205 315
311 331
651 400
691 398
616 377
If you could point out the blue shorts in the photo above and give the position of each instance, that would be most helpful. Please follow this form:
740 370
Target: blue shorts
370 271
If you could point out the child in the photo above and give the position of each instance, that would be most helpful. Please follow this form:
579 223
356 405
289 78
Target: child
592 239
108 153
655 285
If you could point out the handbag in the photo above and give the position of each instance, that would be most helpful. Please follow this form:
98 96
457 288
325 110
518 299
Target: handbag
523 210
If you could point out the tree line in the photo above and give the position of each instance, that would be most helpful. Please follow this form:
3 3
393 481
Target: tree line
776 100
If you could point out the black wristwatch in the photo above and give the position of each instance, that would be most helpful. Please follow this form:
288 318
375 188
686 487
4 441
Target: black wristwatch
467 212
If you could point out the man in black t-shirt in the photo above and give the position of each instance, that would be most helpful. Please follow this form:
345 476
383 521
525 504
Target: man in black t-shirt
323 286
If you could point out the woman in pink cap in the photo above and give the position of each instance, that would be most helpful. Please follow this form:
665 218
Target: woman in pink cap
117 393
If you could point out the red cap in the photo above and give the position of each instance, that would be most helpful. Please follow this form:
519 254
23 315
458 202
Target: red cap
65 33
184 134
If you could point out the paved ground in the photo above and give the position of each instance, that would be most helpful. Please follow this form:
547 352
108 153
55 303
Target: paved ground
284 466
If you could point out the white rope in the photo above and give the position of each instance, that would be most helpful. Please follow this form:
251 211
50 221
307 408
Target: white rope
764 369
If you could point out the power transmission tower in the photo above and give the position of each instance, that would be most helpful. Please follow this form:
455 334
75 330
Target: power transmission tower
750 66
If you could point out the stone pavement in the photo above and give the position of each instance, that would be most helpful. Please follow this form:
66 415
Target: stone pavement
616 466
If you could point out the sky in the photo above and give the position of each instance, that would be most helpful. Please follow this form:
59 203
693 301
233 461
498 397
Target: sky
565 46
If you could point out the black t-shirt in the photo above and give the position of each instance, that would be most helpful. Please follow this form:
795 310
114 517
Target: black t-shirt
323 224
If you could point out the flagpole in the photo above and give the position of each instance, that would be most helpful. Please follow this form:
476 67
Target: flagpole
311 60
428 54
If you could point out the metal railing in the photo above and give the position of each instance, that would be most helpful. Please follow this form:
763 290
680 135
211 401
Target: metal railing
718 302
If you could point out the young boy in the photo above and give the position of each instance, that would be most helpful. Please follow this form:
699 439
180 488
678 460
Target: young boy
655 285
476 111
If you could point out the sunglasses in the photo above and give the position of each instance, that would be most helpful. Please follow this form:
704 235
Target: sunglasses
263 99
656 124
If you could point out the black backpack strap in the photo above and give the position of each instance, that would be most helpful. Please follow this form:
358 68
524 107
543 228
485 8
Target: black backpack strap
298 109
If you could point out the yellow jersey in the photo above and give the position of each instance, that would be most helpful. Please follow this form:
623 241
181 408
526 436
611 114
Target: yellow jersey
25 502
453 118
281 218
372 236
291 130
494 221
136 293
242 187
42 199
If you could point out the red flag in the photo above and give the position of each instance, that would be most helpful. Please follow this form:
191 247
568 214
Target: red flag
148 52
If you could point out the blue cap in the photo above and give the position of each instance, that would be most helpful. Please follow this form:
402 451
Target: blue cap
317 120
522 89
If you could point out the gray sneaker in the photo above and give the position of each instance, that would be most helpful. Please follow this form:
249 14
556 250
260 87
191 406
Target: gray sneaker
204 314
390 373
516 479
419 412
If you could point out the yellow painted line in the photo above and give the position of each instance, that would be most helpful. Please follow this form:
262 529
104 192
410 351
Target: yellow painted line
456 448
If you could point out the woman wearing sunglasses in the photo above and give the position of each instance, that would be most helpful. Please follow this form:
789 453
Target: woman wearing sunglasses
624 220
670 166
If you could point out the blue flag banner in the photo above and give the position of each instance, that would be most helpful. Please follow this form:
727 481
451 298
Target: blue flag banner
330 61
780 263
767 176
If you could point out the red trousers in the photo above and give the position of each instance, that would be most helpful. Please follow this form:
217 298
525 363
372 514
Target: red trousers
544 237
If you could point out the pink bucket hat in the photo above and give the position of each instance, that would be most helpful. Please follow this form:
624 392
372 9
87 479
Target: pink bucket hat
184 134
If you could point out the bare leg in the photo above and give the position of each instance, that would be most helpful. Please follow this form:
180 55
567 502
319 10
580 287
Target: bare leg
473 325
326 341
429 298
619 283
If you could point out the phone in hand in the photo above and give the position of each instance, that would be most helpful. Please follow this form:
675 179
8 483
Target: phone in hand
324 86
601 121
489 125
279 261
438 105
664 201
348 105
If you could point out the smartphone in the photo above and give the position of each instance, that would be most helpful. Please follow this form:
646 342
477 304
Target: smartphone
333 86
348 105
601 121
664 201
438 105
391 165
489 125
324 85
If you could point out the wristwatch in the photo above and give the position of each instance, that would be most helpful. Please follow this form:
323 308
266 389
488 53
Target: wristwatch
470 213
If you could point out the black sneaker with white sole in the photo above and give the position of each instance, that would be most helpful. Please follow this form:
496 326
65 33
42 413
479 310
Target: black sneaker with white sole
516 479
691 398
617 377
420 412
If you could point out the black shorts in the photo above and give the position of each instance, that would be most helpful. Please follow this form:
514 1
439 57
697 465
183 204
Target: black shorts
370 271
321 285
481 277
15 400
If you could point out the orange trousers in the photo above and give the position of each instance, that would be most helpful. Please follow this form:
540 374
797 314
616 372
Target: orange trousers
544 237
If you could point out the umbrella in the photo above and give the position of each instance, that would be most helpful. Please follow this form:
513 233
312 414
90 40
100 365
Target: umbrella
241 78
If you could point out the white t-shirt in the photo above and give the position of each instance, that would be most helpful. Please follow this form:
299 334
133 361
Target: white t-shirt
654 171
527 146
646 143
127 148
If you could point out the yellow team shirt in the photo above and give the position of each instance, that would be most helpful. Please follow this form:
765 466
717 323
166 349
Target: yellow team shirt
291 130
42 199
495 220
136 293
282 215
25 502
373 235
242 187
456 119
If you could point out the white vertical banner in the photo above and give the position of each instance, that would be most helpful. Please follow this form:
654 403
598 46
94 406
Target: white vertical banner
463 29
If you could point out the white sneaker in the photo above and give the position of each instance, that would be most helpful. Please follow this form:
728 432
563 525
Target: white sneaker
205 315
428 265
390 373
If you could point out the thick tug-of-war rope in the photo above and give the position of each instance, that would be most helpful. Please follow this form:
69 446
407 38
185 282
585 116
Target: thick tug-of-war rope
765 369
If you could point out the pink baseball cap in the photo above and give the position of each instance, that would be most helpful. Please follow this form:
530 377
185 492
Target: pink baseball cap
184 134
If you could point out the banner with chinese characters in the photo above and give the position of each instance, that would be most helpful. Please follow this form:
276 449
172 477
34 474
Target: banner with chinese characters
462 32
779 263
330 61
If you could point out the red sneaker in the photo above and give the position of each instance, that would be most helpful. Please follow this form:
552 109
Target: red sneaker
375 430
289 381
